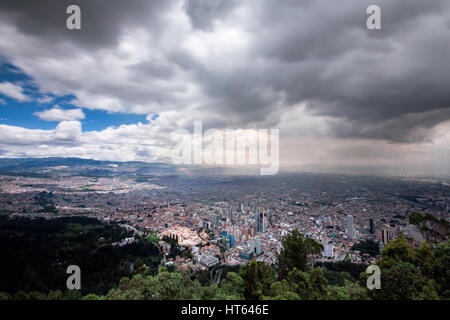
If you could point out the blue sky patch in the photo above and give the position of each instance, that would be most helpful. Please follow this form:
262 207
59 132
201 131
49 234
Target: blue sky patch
22 113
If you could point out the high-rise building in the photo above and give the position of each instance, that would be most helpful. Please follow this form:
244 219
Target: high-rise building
262 227
251 244
329 250
237 234
256 217
218 218
385 235
231 215
241 207
224 237
350 230
258 246
231 237
371 226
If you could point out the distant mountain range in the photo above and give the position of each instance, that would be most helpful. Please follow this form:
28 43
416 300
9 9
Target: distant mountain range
57 166
47 167
77 166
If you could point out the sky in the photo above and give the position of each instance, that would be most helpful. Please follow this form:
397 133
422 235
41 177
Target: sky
344 98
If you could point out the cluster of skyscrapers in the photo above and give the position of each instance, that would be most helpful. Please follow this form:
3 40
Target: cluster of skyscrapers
259 221
227 239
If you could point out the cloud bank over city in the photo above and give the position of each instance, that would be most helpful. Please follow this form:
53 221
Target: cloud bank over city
341 95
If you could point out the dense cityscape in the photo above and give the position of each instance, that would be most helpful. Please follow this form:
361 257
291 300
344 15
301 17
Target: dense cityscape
229 220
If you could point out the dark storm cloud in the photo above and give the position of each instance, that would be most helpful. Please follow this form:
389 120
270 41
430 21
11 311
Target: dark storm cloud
203 12
101 20
321 52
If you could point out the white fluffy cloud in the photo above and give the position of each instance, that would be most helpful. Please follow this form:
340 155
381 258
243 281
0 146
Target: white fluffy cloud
68 130
44 99
58 114
13 91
